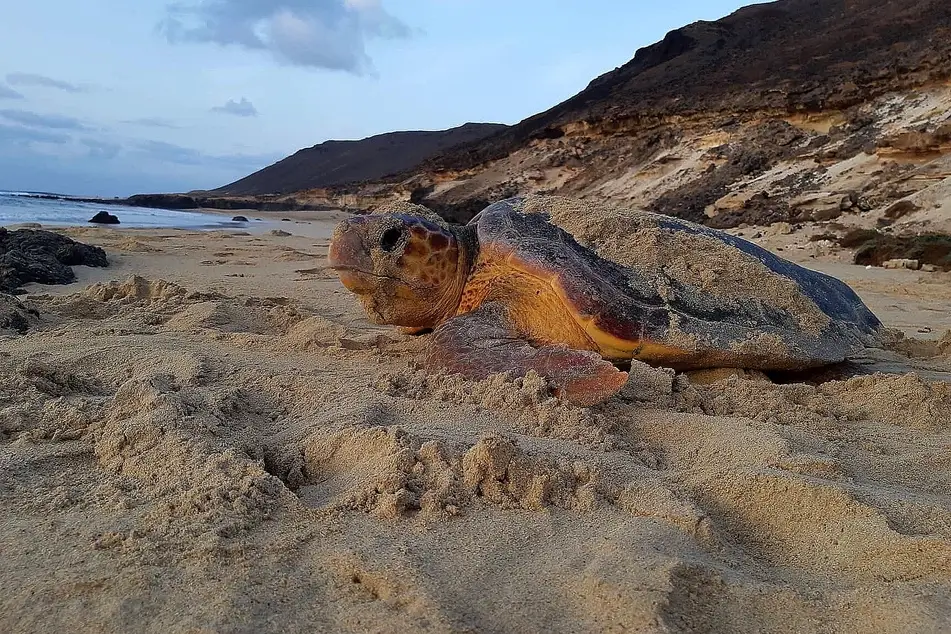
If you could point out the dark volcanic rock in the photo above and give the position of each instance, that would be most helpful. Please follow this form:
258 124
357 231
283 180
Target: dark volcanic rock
462 211
757 211
873 247
14 316
901 209
105 218
44 257
187 201
239 219
163 201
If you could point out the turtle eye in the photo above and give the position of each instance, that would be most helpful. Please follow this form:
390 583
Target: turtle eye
389 238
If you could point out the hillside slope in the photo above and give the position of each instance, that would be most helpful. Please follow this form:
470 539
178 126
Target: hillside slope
785 56
795 111
340 162
791 111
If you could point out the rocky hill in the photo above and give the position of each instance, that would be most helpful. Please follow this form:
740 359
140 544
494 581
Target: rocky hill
784 111
790 56
340 162
830 112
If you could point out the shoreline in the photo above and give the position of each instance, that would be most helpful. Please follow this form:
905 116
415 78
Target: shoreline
190 202
259 220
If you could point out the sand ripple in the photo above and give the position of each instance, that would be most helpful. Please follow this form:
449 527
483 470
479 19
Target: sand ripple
213 458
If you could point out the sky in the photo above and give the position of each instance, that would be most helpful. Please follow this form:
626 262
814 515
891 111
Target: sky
113 97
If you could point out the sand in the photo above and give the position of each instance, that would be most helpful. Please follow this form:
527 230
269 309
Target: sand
209 436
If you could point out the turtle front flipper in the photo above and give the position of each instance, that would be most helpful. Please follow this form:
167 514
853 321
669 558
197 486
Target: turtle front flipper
484 342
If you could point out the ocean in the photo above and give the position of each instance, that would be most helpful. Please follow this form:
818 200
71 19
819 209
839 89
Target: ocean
20 207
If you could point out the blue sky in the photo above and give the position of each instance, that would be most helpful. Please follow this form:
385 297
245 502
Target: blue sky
112 97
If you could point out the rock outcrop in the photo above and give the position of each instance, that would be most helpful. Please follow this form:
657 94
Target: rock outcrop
15 318
28 255
105 218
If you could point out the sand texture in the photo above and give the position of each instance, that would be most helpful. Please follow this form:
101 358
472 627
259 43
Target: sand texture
209 436
637 239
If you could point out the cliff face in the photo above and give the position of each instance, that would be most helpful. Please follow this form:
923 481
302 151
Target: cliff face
340 162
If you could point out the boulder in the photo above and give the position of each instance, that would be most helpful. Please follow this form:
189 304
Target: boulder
29 255
105 218
779 229
239 219
901 263
901 209
15 318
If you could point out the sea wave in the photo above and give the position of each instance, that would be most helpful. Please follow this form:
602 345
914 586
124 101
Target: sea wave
24 194
18 207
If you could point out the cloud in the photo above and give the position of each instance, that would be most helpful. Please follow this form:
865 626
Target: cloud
86 166
17 135
181 155
101 149
31 79
152 122
243 108
328 34
35 120
244 163
171 152
9 93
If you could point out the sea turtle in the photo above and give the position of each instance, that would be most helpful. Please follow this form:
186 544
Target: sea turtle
569 289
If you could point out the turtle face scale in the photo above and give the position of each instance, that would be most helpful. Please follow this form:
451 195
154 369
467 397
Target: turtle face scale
406 270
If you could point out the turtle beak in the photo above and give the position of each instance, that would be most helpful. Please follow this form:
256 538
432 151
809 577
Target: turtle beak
349 257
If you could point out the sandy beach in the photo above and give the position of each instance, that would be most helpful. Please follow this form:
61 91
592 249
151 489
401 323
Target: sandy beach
209 436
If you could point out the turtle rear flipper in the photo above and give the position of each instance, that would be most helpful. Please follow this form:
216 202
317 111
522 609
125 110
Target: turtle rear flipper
484 341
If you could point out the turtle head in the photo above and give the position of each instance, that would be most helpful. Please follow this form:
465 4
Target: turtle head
406 270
